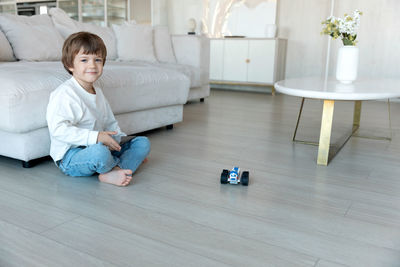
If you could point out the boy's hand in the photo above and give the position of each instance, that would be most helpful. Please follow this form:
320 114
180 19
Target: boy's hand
106 139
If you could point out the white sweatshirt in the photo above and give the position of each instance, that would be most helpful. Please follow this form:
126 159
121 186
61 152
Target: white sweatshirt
75 117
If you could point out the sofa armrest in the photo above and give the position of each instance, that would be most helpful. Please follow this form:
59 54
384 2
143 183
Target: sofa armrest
192 50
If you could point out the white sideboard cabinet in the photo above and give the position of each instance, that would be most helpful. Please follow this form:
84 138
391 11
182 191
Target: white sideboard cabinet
247 61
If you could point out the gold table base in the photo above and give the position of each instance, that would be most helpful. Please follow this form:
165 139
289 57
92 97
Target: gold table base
326 151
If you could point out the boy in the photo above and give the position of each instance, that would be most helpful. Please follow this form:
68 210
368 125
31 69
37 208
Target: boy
84 133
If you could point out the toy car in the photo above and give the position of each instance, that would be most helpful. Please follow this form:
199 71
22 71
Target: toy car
232 176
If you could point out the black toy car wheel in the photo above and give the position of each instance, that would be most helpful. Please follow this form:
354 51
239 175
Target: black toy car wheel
244 180
224 176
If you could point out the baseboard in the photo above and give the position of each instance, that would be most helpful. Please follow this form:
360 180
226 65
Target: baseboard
247 88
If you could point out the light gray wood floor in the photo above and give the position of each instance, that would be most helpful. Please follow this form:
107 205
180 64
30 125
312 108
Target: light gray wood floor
293 213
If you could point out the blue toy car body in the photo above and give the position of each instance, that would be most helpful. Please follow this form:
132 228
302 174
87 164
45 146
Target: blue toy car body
234 176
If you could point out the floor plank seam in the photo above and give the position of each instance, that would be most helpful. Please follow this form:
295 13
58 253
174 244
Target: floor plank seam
348 208
151 238
250 215
82 252
262 219
316 262
61 244
41 202
19 226
81 215
122 229
223 207
223 231
60 224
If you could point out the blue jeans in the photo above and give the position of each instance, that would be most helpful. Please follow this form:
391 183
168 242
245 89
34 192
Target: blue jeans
86 161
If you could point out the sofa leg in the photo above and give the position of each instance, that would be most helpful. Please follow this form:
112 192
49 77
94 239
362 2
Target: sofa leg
27 164
202 99
33 162
170 127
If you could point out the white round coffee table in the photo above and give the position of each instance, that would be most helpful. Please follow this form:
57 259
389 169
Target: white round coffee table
331 90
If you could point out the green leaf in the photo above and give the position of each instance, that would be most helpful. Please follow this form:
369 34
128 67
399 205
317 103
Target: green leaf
347 42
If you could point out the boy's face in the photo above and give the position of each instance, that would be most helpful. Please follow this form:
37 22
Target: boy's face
87 69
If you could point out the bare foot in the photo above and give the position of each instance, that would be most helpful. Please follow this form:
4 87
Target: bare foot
116 176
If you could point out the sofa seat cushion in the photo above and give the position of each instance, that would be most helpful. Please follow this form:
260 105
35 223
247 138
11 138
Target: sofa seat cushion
196 75
131 86
25 89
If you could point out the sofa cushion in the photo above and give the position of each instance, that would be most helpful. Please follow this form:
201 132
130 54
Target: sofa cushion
128 86
196 76
32 38
134 42
67 26
163 45
6 53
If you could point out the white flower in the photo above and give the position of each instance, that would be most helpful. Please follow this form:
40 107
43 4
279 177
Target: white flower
346 27
350 24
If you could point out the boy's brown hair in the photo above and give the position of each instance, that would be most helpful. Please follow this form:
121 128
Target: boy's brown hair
89 42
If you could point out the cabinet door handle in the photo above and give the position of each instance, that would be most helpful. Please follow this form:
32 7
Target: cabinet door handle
247 60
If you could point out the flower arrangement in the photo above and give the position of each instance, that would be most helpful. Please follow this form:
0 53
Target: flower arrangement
344 28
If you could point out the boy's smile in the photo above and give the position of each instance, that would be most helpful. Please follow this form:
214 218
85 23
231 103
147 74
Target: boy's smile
87 69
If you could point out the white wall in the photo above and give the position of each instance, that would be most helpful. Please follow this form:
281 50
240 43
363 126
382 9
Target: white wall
300 22
241 21
179 13
159 12
141 11
250 22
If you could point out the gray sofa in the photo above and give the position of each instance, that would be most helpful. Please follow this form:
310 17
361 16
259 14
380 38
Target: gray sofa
143 95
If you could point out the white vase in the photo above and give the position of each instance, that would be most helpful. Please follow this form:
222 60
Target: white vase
347 64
